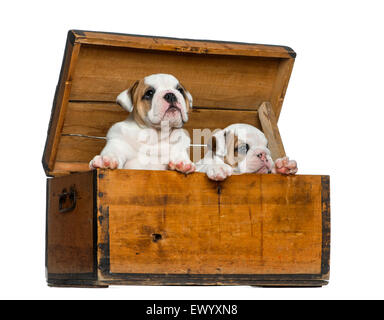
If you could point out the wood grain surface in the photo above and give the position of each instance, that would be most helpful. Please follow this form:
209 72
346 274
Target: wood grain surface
70 238
269 126
181 45
165 222
229 82
95 119
60 103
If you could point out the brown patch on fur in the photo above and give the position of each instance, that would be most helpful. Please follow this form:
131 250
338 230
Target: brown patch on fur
187 103
232 143
140 107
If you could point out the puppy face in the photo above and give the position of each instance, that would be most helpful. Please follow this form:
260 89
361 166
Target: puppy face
244 148
157 98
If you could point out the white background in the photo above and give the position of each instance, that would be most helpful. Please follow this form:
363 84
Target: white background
331 123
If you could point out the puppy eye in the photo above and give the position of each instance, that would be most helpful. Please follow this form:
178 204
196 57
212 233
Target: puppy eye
181 90
149 94
243 149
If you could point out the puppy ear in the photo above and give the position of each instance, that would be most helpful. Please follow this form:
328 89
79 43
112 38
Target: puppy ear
125 99
187 95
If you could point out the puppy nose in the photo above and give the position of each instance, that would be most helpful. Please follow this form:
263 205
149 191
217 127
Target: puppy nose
170 97
262 156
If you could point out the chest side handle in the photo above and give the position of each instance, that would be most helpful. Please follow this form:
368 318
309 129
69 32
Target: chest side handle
66 197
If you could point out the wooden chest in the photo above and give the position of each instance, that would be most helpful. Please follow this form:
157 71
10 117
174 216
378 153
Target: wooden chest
108 227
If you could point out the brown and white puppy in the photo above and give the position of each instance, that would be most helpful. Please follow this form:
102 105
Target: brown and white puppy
241 148
151 138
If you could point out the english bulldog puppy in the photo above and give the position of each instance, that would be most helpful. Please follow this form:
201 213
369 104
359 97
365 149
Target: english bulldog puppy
241 148
151 137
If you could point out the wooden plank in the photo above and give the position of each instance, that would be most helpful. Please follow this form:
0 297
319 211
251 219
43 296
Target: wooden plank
62 167
230 82
76 152
81 146
182 45
281 85
70 235
326 238
59 104
250 224
78 149
279 219
269 124
95 119
215 280
214 119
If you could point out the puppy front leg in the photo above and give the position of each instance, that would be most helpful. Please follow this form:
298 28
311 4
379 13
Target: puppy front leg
104 162
113 156
180 161
218 170
215 168
179 158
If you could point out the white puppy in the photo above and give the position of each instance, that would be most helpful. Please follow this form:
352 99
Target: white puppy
151 138
241 148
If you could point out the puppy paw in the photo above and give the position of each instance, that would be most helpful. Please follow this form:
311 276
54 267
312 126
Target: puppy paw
104 162
219 172
285 166
183 166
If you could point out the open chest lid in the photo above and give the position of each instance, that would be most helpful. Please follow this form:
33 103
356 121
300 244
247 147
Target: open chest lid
228 82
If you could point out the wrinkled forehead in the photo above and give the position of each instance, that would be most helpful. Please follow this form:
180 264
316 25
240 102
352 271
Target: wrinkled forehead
251 136
165 81
257 140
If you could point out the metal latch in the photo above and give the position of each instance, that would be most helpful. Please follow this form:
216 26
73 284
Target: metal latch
65 197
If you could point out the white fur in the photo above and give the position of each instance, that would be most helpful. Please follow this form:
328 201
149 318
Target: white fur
130 146
215 167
